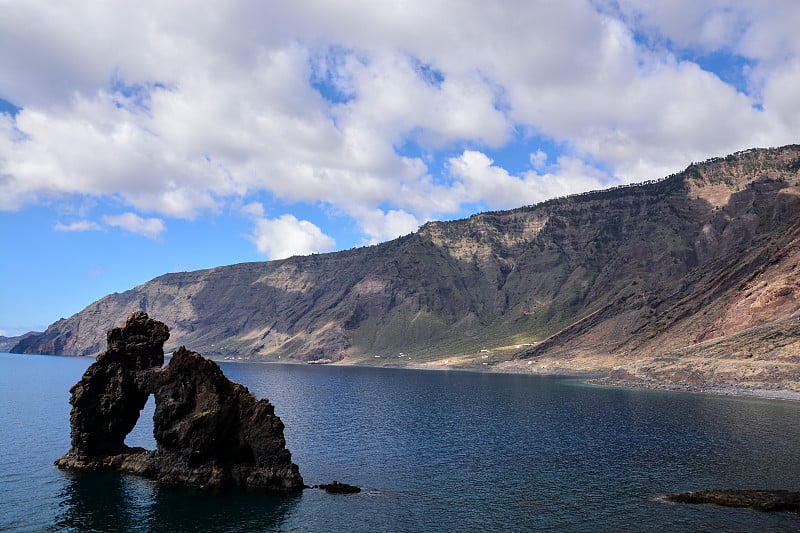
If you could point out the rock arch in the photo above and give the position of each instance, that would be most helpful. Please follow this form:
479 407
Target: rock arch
210 432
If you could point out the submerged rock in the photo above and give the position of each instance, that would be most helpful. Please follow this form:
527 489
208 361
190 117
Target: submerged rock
761 500
210 432
337 488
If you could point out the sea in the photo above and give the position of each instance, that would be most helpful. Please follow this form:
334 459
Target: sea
432 451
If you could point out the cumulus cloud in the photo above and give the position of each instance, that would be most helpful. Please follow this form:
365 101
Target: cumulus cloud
397 97
762 31
80 225
177 111
285 236
152 228
380 225
780 98
480 180
538 159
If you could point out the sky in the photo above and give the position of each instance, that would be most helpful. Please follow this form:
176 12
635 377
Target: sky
140 138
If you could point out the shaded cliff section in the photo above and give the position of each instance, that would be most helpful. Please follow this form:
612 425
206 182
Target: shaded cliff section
659 272
8 343
210 433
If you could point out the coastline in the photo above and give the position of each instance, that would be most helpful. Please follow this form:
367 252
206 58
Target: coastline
602 377
775 392
597 377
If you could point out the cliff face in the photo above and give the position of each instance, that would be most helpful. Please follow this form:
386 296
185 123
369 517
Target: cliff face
733 316
666 268
7 343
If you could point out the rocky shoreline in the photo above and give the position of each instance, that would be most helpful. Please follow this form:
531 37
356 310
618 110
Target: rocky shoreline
766 392
761 500
592 377
603 377
774 392
600 377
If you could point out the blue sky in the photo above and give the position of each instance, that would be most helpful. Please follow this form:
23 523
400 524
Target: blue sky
143 138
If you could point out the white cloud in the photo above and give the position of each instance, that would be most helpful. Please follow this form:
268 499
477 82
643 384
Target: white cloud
286 236
539 159
253 210
780 98
96 148
480 180
380 225
211 107
710 24
152 228
80 225
765 31
397 99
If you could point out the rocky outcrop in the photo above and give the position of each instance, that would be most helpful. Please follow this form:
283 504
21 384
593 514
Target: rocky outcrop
210 432
213 432
107 400
337 488
761 500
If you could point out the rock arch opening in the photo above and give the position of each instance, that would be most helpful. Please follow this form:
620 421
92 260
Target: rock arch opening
141 436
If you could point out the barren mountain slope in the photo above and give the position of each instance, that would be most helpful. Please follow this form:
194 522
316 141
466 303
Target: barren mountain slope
735 317
668 270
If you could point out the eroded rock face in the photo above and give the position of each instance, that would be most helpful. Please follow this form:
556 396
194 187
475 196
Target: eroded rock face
209 431
216 431
106 402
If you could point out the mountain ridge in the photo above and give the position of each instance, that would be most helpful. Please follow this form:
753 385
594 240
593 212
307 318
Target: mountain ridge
605 279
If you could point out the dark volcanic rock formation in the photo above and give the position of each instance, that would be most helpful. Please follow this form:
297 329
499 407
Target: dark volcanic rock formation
209 431
761 500
338 488
107 400
213 432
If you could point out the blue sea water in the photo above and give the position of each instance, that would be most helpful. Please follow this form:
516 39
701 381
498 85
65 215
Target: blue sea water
434 451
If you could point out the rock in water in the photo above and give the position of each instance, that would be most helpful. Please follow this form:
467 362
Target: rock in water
338 488
761 500
210 432
106 402
213 432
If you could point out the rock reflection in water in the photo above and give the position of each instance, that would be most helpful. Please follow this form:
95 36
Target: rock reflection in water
108 501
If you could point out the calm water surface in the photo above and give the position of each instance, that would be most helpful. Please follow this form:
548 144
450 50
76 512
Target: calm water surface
434 451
